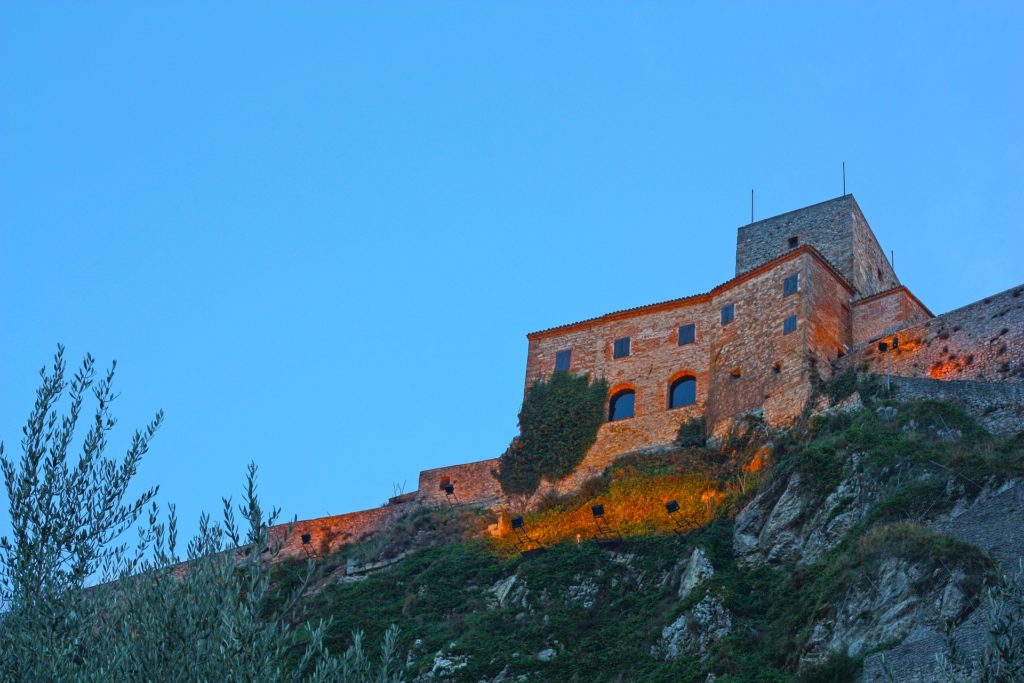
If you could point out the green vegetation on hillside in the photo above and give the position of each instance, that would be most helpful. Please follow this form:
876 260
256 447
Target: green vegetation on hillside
599 612
150 618
467 604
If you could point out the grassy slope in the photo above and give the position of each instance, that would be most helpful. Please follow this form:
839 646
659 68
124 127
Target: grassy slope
438 595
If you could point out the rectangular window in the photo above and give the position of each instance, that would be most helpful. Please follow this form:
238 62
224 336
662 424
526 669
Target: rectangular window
728 313
621 348
562 360
687 334
791 284
789 325
793 241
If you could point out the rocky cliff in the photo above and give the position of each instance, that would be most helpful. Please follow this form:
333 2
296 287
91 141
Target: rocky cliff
859 545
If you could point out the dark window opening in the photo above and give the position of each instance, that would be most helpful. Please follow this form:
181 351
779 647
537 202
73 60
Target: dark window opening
444 483
683 392
777 368
789 325
687 334
793 242
728 313
736 373
563 359
621 348
621 406
878 272
791 285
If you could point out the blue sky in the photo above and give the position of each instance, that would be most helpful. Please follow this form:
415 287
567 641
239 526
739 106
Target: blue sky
316 234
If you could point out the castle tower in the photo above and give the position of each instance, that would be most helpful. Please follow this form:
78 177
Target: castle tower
836 228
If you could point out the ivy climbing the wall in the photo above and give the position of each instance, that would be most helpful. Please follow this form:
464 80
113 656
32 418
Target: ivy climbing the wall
557 424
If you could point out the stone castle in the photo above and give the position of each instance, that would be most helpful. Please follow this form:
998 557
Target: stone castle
813 294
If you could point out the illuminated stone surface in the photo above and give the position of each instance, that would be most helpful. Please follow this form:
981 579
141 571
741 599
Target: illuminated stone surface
848 298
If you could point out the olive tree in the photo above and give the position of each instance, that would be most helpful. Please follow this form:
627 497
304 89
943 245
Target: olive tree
77 603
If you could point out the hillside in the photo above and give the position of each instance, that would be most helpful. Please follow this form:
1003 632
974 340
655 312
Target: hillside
795 555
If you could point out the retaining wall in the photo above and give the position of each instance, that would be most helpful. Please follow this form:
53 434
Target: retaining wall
981 341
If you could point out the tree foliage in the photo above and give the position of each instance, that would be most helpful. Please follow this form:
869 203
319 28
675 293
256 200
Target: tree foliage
1001 660
154 615
557 424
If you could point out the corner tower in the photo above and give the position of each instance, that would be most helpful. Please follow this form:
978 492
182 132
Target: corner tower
836 228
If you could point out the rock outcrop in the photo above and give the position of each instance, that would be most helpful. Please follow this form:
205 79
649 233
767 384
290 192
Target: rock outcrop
787 522
695 632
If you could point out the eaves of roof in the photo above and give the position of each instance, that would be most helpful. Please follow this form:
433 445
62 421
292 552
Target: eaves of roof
698 298
893 290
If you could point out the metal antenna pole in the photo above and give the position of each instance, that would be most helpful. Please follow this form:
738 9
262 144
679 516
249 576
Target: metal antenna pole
888 371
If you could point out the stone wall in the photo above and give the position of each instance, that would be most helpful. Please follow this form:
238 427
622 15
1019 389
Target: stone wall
329 534
473 483
981 341
836 228
997 405
623 436
655 359
826 308
872 272
756 366
744 365
886 312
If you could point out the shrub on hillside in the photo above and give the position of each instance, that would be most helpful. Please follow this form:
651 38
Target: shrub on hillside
692 433
557 424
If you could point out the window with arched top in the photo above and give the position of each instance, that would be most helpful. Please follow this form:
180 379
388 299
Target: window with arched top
682 392
621 405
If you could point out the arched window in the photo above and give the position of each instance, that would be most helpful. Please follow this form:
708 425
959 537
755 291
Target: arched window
683 392
622 404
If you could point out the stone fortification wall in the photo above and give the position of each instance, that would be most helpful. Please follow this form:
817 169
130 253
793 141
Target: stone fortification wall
981 341
885 313
329 534
473 483
623 436
997 405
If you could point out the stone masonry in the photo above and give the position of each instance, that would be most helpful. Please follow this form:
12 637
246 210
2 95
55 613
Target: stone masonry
981 341
813 294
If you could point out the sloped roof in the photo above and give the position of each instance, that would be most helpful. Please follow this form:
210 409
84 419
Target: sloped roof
698 298
893 290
